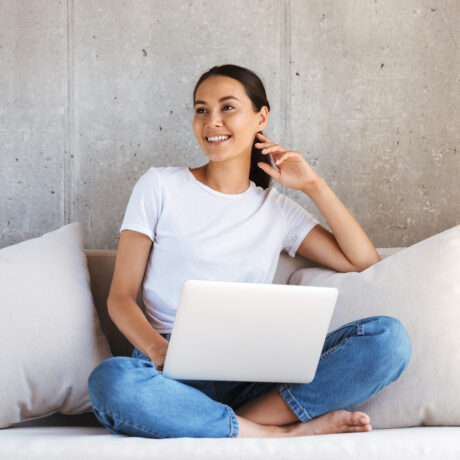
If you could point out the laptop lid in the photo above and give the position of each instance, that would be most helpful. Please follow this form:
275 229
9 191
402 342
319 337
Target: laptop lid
253 332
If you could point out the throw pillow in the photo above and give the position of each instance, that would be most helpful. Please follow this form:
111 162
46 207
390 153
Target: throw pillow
50 335
420 286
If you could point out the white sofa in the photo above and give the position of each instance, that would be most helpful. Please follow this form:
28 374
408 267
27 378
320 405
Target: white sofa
61 436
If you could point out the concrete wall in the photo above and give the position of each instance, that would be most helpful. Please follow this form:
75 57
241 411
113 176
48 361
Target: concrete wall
93 93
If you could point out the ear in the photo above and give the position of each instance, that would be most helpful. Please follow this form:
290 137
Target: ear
262 118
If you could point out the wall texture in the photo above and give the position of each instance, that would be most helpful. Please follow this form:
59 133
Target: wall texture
93 93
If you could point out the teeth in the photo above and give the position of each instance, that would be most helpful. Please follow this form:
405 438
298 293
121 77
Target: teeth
217 138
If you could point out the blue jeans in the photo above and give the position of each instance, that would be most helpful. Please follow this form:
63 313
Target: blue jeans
129 396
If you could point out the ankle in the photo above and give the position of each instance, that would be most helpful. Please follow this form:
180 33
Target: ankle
250 429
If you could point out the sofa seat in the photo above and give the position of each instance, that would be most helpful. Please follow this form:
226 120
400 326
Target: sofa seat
84 442
62 436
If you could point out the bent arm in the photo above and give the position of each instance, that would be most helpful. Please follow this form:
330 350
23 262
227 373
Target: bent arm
130 263
349 235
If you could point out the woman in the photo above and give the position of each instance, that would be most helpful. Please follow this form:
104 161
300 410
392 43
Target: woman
223 221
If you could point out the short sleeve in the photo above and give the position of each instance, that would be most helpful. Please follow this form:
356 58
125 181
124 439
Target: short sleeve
144 205
298 221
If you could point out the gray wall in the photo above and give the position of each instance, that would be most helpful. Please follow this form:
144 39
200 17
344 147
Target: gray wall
93 93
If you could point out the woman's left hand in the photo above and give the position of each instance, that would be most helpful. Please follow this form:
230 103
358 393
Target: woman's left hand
294 170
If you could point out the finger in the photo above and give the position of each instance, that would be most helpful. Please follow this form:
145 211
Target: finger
263 144
279 160
283 157
263 136
274 148
264 151
269 170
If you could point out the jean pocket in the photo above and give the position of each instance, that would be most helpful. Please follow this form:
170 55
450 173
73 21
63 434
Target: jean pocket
138 354
329 352
358 324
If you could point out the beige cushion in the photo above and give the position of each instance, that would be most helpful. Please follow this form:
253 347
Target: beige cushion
50 338
420 286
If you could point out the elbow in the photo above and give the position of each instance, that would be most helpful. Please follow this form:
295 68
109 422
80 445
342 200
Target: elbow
112 303
118 301
368 265
109 305
359 270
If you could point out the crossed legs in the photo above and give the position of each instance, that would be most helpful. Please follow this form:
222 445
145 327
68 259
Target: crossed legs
371 352
269 415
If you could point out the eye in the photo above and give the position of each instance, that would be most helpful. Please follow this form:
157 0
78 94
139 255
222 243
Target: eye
201 108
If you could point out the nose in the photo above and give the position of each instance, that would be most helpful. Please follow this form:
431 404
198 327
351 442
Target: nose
214 119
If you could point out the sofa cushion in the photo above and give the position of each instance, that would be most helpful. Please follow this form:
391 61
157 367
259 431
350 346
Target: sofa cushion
50 337
420 286
75 443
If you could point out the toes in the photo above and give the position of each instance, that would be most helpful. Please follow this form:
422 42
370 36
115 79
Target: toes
350 421
355 429
357 416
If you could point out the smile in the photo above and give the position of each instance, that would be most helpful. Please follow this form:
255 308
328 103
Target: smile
217 140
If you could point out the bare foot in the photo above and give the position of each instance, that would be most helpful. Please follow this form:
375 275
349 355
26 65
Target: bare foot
337 421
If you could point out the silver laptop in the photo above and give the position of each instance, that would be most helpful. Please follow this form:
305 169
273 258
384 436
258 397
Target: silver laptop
251 332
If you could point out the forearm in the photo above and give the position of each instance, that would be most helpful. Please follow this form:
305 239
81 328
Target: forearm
349 235
133 324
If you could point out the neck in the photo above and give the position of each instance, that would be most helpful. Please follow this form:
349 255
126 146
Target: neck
227 178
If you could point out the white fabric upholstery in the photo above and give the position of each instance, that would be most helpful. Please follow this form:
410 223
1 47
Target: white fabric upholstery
420 286
50 332
76 443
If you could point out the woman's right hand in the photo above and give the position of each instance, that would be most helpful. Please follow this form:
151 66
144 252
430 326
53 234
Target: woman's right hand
158 356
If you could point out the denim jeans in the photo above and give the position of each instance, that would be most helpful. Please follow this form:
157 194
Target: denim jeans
129 396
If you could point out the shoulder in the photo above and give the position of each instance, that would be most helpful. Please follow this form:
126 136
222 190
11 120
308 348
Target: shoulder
291 208
161 174
275 197
157 171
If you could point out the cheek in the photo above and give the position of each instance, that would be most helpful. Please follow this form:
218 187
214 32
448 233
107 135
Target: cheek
240 126
196 129
243 131
243 122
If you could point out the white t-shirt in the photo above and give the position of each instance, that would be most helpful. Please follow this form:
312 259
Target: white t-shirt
200 233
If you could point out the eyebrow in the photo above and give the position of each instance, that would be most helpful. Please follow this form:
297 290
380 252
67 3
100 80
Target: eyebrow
220 100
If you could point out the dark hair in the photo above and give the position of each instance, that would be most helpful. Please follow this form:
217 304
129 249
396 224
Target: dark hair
256 93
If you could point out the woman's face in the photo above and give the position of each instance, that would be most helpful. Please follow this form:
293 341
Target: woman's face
234 117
